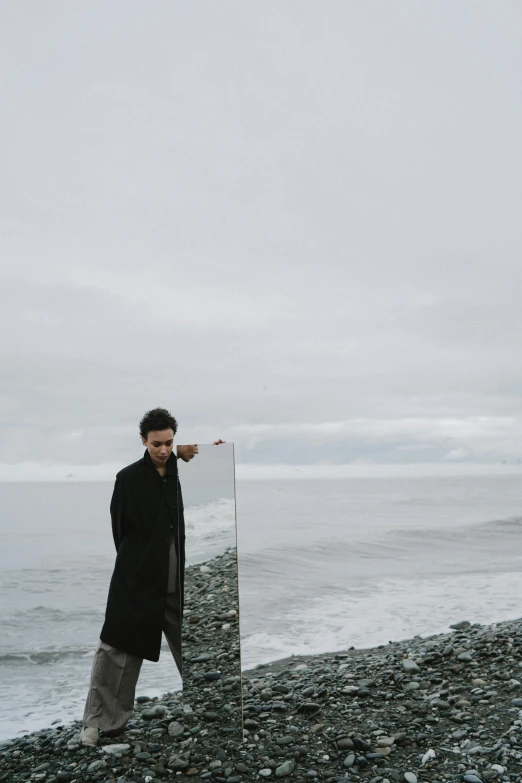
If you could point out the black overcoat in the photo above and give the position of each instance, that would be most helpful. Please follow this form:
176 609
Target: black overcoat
141 529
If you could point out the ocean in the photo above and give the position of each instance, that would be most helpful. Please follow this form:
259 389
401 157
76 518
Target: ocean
324 564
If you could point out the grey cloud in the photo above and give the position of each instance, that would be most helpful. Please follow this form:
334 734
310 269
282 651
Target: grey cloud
276 215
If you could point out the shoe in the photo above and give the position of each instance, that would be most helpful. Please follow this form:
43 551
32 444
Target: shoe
89 736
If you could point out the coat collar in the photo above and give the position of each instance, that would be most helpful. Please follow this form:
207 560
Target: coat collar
172 466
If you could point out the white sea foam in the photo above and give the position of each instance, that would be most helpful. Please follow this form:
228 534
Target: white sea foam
391 611
210 529
210 520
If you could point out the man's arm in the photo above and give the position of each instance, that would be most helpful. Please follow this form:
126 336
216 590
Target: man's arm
118 532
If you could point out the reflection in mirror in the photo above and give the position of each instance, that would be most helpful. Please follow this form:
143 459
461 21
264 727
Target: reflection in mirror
210 632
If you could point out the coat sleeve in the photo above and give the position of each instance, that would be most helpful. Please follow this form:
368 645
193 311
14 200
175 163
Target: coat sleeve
118 530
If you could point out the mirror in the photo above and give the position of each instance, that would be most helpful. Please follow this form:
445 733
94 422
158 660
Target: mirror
210 632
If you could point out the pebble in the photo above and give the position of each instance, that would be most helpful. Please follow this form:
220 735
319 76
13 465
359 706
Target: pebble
156 712
178 763
349 760
461 626
203 657
344 717
175 729
115 748
459 734
285 769
95 765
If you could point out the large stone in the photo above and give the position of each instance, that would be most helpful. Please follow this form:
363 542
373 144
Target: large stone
286 768
345 743
177 763
385 742
201 658
95 765
349 760
309 708
176 729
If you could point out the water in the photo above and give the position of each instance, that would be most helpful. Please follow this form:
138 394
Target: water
324 564
56 560
327 564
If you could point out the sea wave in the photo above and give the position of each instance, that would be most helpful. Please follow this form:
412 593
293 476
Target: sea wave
45 657
209 520
392 610
49 615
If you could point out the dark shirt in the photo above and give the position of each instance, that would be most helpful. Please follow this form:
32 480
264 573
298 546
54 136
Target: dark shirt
169 486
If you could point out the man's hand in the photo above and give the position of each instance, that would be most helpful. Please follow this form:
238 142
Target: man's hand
186 453
217 442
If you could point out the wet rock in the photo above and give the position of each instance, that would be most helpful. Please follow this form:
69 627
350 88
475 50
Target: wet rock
345 743
177 762
175 729
309 708
285 769
115 748
409 666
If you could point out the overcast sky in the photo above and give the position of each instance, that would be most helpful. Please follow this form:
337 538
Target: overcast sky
294 224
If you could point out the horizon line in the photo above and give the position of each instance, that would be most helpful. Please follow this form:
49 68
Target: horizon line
28 472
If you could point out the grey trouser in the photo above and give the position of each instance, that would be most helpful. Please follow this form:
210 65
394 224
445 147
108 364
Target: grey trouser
114 675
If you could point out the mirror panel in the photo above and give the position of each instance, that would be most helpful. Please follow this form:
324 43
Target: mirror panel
212 701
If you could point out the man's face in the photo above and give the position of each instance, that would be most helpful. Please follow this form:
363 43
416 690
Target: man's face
159 444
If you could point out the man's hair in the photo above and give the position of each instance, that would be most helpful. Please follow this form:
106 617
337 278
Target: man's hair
157 419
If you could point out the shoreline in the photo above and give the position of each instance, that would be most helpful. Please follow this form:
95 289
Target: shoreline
442 708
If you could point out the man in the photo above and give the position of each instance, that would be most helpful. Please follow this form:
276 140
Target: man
146 589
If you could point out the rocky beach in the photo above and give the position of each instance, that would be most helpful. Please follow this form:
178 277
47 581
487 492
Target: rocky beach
436 709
